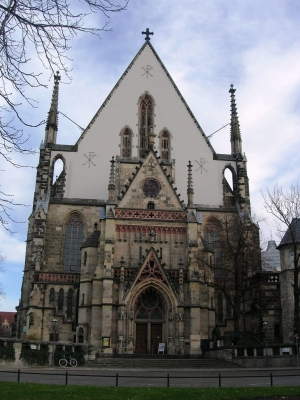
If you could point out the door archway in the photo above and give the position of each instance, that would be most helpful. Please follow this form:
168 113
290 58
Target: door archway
150 318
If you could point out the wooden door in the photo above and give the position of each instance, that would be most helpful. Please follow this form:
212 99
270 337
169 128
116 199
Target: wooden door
141 338
156 336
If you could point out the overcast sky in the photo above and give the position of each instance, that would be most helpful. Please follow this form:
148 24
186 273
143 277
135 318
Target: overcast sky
206 45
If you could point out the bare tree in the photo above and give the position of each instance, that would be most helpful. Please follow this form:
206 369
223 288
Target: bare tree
233 239
30 30
285 208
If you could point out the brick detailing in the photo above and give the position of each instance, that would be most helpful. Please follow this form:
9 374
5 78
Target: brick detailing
63 278
148 229
151 214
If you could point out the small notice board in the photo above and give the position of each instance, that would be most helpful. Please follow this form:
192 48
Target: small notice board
161 348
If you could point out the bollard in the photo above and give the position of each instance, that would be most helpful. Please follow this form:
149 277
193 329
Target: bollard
66 377
168 380
271 376
19 373
117 379
219 380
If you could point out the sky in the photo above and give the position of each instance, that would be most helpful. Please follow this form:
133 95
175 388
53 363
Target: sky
206 45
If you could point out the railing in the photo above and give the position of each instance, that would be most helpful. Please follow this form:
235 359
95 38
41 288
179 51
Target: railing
167 379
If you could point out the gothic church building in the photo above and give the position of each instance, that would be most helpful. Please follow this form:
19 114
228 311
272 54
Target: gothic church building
112 242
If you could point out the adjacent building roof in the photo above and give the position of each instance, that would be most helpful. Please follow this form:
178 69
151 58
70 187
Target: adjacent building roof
287 238
271 257
93 240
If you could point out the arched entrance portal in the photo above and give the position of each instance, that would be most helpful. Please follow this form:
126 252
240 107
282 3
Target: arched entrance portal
150 312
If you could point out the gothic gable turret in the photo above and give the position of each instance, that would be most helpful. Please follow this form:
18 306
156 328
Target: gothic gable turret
151 270
150 188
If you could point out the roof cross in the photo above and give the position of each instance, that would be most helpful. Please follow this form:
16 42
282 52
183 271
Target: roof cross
147 33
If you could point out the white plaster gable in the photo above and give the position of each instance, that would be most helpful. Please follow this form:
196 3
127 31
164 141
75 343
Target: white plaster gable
87 169
135 196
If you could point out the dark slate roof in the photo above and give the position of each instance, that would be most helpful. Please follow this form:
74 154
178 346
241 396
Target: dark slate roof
93 240
287 238
225 157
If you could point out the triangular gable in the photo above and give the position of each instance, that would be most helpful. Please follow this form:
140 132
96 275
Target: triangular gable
144 46
110 213
192 217
151 269
135 194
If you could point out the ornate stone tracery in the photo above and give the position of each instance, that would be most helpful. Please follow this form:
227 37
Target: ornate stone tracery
151 214
150 305
151 270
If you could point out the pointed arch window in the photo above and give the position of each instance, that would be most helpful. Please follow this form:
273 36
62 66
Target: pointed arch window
74 240
70 304
60 302
146 122
165 147
150 305
58 177
126 143
51 296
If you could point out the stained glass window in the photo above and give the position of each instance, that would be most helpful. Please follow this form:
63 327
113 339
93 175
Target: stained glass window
146 122
61 295
70 304
51 296
150 305
74 240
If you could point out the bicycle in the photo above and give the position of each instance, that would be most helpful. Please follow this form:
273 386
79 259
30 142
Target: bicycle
63 362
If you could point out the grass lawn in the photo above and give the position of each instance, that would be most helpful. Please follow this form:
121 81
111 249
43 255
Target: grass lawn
28 391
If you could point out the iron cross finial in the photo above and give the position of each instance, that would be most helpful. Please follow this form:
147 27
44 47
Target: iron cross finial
147 33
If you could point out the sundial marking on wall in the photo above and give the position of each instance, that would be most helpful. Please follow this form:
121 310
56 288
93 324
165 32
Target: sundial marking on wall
201 165
147 70
89 159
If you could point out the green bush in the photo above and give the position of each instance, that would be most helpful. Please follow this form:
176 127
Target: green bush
7 353
34 357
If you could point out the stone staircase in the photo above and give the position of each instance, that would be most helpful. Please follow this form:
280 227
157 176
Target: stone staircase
161 362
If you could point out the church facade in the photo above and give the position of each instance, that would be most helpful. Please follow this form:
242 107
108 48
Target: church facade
112 245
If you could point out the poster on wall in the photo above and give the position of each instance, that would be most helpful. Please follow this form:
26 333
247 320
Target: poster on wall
161 348
106 342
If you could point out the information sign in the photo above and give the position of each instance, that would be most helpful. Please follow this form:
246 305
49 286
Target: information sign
161 348
106 342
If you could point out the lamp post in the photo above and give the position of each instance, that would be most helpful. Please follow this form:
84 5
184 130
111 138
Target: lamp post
297 349
54 322
265 327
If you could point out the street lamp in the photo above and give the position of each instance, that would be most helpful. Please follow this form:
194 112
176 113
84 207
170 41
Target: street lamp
54 322
265 327
297 349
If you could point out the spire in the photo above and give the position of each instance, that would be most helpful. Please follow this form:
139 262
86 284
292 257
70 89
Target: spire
235 134
111 185
190 189
52 120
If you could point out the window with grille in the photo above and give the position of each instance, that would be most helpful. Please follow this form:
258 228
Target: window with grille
126 143
146 122
165 145
74 240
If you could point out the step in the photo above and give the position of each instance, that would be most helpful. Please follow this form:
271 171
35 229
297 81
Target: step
162 363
